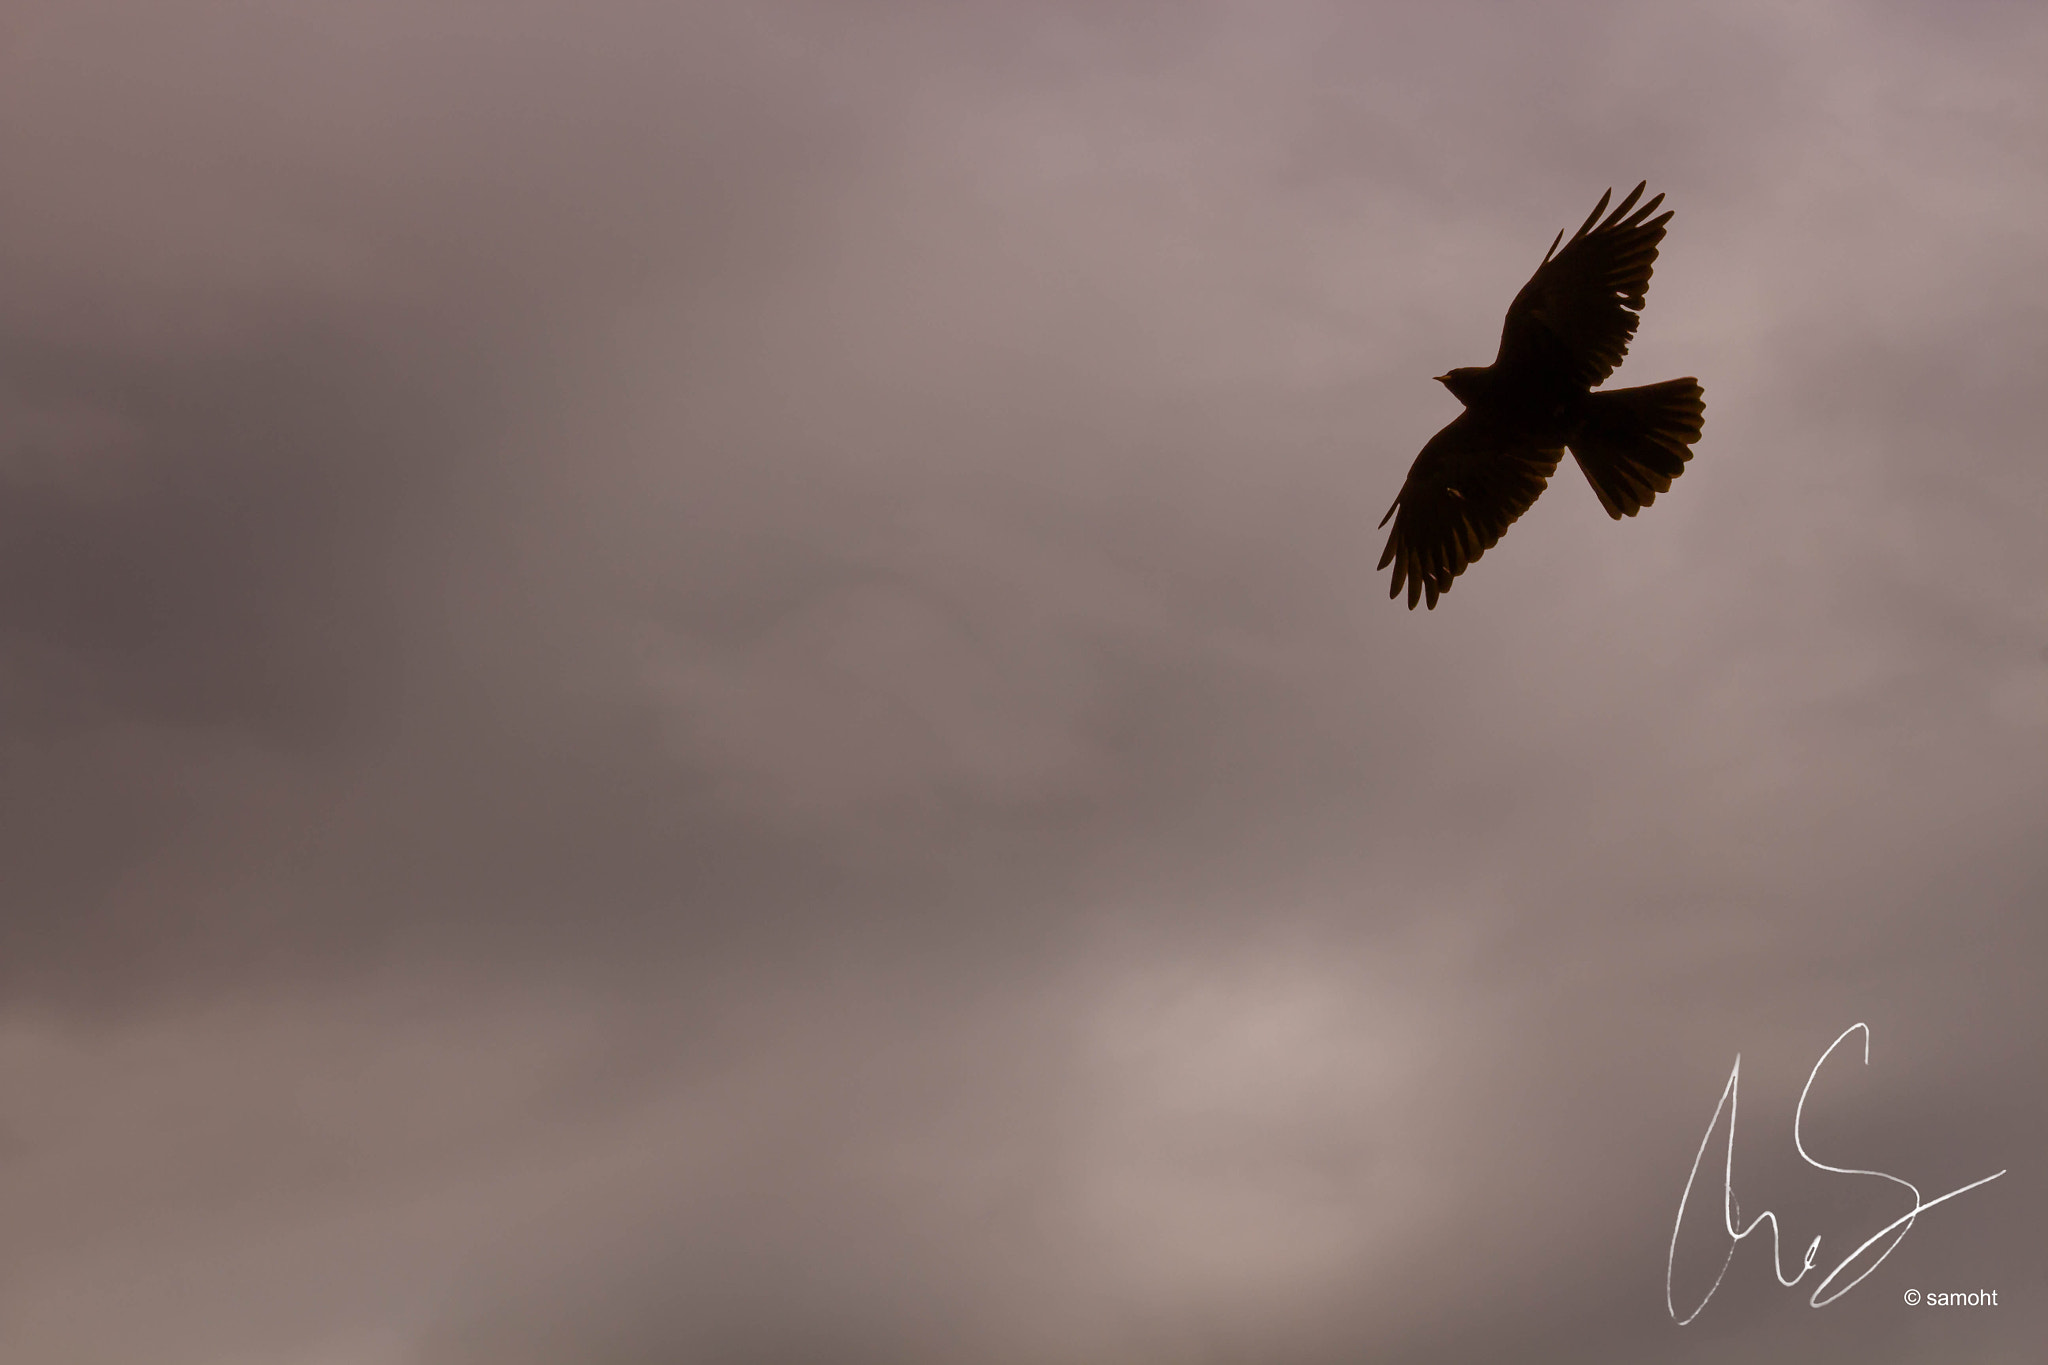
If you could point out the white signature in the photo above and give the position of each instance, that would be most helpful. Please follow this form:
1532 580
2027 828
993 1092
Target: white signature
1731 1213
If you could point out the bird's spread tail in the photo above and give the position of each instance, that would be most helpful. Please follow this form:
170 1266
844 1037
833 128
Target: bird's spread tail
1634 442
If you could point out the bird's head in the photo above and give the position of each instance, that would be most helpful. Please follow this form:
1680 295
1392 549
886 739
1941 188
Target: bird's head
1465 384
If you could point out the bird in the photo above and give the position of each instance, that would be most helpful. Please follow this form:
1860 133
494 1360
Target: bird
1565 334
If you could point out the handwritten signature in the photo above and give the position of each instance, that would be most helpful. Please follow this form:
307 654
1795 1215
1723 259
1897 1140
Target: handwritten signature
1731 1212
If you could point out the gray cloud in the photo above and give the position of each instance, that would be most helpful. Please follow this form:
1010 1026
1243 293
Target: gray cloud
684 685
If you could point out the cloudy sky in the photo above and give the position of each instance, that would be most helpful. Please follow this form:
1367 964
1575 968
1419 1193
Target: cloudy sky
704 683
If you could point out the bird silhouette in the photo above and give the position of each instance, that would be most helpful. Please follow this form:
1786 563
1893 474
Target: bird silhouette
1565 333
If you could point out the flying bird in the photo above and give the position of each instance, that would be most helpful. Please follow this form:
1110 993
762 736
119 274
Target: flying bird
1565 333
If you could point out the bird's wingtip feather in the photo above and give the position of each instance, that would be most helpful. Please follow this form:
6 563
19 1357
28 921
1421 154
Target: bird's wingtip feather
1621 209
1594 216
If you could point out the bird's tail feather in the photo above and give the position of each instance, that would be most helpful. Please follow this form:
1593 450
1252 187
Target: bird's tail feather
1634 442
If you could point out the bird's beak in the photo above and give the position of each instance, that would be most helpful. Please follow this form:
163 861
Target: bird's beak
1443 378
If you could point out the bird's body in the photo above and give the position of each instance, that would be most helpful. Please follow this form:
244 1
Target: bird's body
1565 333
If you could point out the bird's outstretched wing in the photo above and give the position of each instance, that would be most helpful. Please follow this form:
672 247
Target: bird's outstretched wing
1466 487
1573 319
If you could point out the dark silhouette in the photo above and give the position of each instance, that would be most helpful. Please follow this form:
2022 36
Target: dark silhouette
1566 331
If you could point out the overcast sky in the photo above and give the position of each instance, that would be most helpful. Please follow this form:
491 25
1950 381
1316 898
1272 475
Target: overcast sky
704 683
